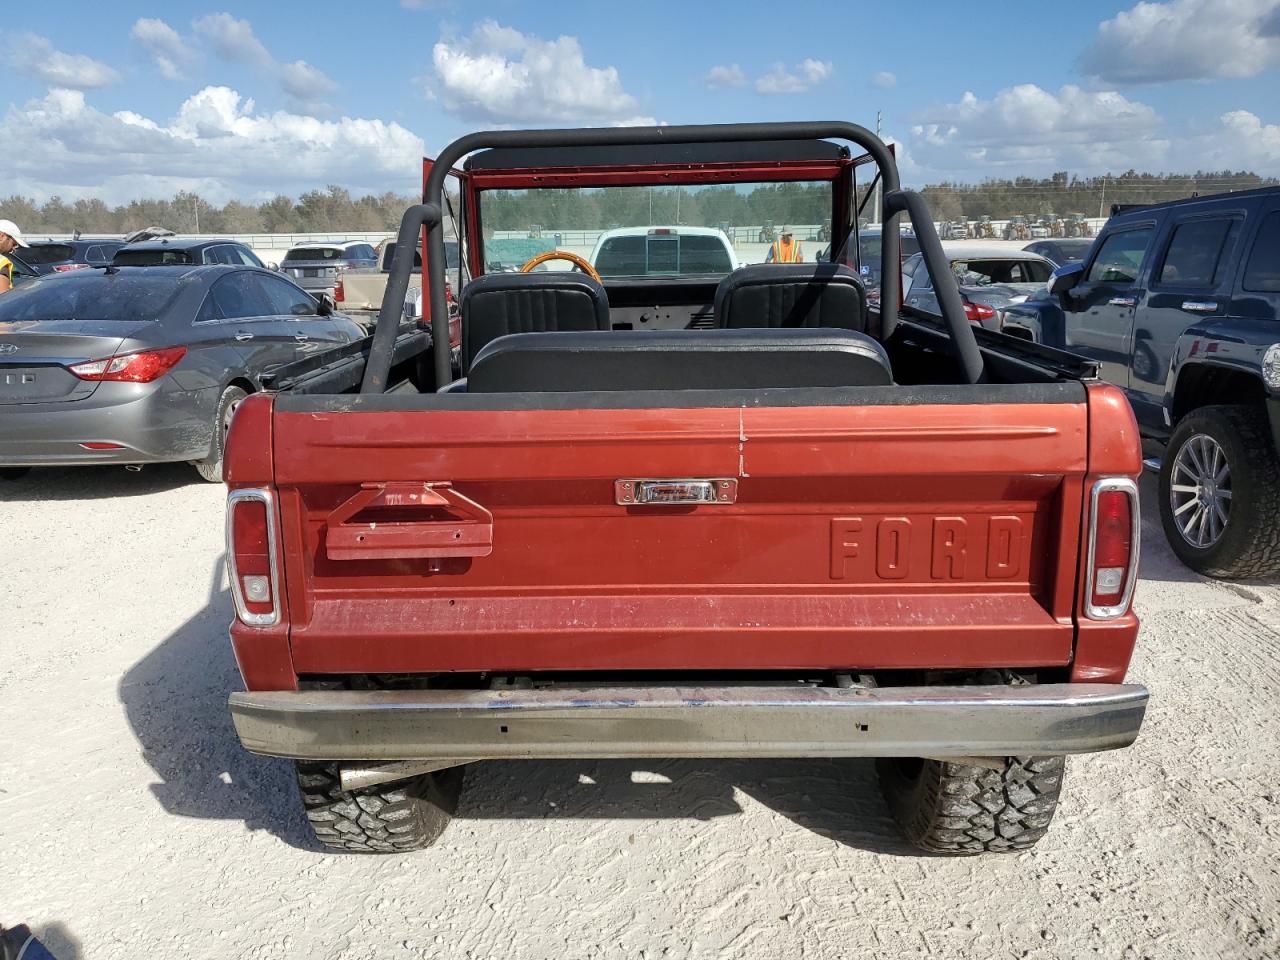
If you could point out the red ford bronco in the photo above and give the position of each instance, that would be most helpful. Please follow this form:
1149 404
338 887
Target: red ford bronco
683 510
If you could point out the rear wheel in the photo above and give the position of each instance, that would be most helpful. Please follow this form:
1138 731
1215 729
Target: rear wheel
210 468
956 808
1220 492
386 818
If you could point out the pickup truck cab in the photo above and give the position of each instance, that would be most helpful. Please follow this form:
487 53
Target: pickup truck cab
1179 304
790 526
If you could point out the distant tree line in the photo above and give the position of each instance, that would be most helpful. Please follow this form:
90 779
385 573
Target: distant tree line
334 210
1063 193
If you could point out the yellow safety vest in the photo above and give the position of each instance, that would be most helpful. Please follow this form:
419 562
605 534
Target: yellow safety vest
6 268
786 252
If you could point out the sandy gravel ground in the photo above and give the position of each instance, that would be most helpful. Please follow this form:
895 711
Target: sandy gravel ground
132 825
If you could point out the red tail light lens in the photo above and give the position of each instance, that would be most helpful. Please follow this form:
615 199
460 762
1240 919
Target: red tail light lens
144 367
1113 548
339 294
67 267
977 312
251 545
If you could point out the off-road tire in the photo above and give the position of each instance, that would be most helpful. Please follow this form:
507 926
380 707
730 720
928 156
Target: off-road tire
386 818
1250 543
210 468
959 809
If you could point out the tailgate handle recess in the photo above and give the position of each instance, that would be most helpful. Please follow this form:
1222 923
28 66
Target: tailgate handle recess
467 534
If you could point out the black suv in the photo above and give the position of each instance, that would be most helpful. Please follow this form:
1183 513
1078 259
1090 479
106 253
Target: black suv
59 256
1180 305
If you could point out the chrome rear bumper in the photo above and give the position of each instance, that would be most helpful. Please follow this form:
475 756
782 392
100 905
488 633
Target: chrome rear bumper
713 721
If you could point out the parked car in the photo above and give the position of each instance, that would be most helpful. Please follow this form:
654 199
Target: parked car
317 266
60 256
663 251
145 364
179 251
360 292
776 537
1060 251
1179 303
990 278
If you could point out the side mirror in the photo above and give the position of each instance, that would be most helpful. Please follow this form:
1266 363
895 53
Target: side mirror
273 266
1065 278
325 305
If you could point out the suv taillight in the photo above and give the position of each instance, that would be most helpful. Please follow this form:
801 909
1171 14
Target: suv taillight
1112 568
339 294
251 556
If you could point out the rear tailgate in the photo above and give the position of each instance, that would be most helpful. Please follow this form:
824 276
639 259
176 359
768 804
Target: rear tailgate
901 527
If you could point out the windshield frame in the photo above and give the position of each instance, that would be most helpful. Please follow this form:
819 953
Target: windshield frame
836 170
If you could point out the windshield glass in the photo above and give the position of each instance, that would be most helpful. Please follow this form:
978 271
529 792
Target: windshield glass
151 258
95 296
316 253
663 232
49 252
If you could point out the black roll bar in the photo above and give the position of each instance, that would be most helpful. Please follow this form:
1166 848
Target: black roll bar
391 312
964 345
379 366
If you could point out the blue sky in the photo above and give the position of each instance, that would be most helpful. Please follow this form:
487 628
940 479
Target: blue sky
249 100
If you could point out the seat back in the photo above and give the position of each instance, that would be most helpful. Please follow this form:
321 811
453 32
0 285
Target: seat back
679 360
499 304
792 295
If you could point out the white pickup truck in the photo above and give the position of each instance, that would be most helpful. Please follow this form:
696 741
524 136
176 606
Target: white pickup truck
359 294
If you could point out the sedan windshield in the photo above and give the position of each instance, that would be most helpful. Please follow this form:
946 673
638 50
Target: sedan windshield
89 295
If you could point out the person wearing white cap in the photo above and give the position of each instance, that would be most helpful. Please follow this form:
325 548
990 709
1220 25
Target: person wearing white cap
10 240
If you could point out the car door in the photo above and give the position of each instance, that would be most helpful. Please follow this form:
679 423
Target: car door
296 309
240 306
1099 315
1189 282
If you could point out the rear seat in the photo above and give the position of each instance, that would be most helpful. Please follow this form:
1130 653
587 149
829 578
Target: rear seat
678 360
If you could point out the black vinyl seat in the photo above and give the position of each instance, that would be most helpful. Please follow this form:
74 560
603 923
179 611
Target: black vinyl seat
499 304
679 360
792 295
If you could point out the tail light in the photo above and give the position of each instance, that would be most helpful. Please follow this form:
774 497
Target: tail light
67 267
251 556
141 367
339 294
977 312
1112 568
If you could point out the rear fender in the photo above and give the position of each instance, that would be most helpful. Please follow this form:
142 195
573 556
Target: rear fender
262 653
1104 647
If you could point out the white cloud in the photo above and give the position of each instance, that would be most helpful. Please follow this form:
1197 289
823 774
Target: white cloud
808 73
1028 130
216 144
234 41
1242 142
35 56
884 80
502 75
720 77
1185 40
167 49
